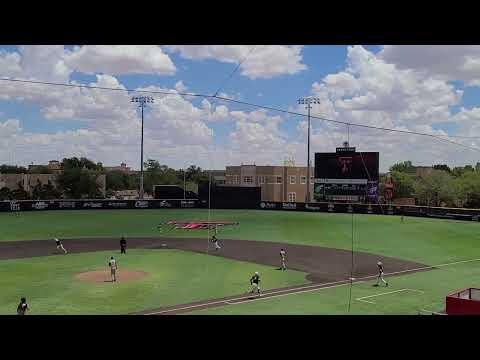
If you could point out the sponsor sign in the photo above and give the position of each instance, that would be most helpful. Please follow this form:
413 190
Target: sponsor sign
39 205
331 207
165 204
350 208
117 205
313 208
390 210
141 204
93 205
369 209
187 204
66 205
268 205
289 206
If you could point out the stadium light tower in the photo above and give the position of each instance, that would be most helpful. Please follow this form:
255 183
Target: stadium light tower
308 101
142 101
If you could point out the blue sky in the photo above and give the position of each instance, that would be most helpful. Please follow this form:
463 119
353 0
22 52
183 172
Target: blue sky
432 89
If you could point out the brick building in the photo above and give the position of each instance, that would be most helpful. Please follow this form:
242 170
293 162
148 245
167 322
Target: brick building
123 168
277 183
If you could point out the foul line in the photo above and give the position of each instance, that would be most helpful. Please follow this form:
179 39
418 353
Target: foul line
386 293
272 294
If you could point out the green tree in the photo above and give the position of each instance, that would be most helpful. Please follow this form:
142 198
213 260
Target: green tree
9 169
469 189
45 191
40 169
405 167
403 184
4 194
436 188
78 183
118 180
443 167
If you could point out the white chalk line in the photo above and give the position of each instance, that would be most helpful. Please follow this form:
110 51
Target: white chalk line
309 288
385 293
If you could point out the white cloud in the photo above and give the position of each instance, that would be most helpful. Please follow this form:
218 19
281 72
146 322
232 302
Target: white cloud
458 62
375 92
180 87
264 61
120 59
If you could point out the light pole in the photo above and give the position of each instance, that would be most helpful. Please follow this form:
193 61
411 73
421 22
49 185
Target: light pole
308 101
141 100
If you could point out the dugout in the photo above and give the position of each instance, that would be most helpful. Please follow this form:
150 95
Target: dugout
463 302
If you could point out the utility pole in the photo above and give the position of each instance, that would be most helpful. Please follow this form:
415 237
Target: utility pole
141 100
308 101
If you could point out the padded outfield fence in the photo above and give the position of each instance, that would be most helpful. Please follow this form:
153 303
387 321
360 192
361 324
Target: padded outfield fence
330 207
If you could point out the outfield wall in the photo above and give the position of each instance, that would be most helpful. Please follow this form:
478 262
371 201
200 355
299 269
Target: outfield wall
407 210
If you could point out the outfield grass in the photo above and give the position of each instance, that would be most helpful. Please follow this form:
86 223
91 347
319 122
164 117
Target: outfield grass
430 241
174 277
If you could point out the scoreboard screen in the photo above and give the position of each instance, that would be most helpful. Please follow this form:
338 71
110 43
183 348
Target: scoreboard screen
347 165
346 175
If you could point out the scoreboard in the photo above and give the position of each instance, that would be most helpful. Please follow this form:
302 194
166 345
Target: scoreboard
346 175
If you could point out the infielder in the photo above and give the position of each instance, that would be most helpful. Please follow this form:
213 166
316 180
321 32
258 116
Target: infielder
113 268
60 245
283 254
380 274
255 283
123 245
215 241
22 307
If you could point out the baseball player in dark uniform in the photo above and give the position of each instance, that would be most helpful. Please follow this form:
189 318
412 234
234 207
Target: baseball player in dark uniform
380 274
255 283
283 255
60 245
123 245
22 307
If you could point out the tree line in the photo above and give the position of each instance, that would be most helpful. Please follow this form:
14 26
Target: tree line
442 186
78 179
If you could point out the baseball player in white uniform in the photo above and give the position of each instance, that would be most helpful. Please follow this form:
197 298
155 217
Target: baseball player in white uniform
380 274
60 245
113 268
283 255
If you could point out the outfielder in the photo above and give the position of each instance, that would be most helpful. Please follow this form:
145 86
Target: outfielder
60 245
283 254
380 274
255 283
113 268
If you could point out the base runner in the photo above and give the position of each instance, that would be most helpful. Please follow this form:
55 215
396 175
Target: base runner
113 268
255 283
60 245
380 274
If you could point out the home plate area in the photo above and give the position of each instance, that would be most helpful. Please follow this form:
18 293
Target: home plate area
370 299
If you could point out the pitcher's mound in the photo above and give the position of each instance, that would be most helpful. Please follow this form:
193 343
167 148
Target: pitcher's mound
102 276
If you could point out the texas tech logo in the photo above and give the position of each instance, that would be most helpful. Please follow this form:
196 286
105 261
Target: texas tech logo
345 164
14 206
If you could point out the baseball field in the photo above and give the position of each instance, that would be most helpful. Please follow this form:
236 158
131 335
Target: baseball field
175 271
